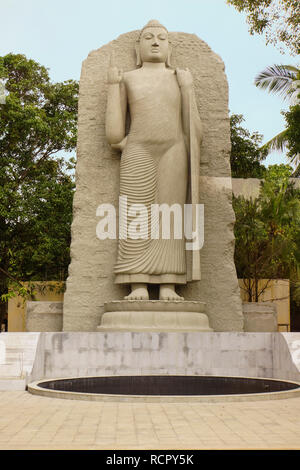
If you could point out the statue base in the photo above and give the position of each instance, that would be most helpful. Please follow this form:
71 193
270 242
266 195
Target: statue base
154 315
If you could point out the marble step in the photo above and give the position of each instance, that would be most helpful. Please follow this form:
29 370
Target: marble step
19 340
13 369
12 384
17 354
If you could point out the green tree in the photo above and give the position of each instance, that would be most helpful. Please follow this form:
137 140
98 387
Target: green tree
246 155
284 80
267 232
37 121
278 20
292 136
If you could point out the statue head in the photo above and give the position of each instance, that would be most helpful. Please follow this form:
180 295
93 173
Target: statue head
152 44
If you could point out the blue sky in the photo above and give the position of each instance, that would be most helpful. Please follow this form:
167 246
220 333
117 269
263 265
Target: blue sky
60 33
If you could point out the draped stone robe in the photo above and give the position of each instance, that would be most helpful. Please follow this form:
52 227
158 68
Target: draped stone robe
159 165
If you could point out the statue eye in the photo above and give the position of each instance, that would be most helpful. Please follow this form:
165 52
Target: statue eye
148 36
162 37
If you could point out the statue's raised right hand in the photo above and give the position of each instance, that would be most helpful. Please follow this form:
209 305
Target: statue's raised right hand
114 74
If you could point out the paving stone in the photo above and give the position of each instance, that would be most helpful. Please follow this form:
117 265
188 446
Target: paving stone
263 425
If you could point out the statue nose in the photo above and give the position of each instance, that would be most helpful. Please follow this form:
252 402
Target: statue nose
155 43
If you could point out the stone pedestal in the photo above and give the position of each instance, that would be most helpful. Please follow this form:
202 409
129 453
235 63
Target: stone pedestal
154 315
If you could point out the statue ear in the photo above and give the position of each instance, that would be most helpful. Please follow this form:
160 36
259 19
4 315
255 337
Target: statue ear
168 63
138 55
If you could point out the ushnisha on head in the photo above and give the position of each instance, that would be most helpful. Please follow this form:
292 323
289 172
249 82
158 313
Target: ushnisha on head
153 45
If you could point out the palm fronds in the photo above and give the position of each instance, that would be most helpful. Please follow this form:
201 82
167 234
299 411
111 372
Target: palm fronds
281 79
296 173
277 143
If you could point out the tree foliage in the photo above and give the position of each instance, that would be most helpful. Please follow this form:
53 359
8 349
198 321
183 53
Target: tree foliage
284 80
267 232
278 20
246 156
292 118
37 121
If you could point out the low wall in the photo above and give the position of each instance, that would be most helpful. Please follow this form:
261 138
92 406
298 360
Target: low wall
44 291
260 317
276 291
233 354
44 316
249 187
286 355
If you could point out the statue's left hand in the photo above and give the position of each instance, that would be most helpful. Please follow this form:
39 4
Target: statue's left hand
184 78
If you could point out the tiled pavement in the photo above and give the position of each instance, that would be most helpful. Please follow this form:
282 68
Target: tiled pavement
33 422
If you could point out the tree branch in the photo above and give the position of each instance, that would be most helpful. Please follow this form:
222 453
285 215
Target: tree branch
47 154
12 278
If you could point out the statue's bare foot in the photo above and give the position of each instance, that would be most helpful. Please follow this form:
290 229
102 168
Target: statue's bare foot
167 292
138 292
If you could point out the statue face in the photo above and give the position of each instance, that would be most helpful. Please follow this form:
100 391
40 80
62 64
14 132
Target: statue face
154 45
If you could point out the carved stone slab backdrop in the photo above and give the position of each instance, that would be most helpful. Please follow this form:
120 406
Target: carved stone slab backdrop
91 281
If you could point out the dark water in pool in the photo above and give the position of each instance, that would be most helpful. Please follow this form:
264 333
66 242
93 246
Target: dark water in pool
168 385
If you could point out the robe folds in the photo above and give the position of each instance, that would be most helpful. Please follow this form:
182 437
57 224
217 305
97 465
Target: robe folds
148 178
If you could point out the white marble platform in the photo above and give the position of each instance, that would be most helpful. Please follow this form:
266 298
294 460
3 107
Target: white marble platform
17 356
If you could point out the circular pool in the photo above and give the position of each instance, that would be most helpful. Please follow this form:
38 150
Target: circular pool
168 388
